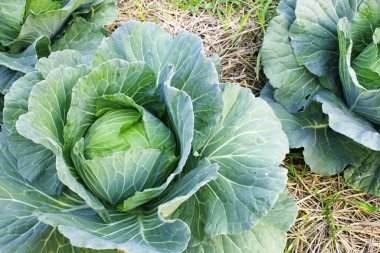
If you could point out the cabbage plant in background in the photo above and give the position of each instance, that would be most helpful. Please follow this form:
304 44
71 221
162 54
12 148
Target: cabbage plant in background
140 148
30 29
322 59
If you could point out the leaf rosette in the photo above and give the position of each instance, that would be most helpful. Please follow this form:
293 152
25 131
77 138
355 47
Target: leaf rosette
140 149
322 60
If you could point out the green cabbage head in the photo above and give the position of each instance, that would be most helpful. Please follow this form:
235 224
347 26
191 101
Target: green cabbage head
322 59
140 148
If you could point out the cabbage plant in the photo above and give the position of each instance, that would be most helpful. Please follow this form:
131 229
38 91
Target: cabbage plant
322 59
140 148
28 27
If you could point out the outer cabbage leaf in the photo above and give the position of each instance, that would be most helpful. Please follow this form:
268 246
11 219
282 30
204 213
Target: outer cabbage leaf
36 164
367 64
40 6
64 58
368 105
7 77
11 15
24 62
248 180
37 124
344 121
314 34
269 235
16 101
287 8
74 39
12 66
132 232
294 84
366 175
54 241
103 13
350 85
325 151
41 172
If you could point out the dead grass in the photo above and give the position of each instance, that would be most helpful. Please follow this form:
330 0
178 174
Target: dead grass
332 218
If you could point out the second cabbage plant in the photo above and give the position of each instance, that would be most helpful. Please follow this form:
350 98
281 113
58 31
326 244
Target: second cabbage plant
31 29
322 59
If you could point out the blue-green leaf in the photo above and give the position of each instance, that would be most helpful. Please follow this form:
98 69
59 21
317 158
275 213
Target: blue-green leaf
269 235
64 58
48 104
104 13
343 120
366 175
82 36
16 101
314 33
11 16
34 162
7 77
326 151
295 85
249 179
24 62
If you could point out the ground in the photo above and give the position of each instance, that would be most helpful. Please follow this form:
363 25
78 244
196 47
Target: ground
332 217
